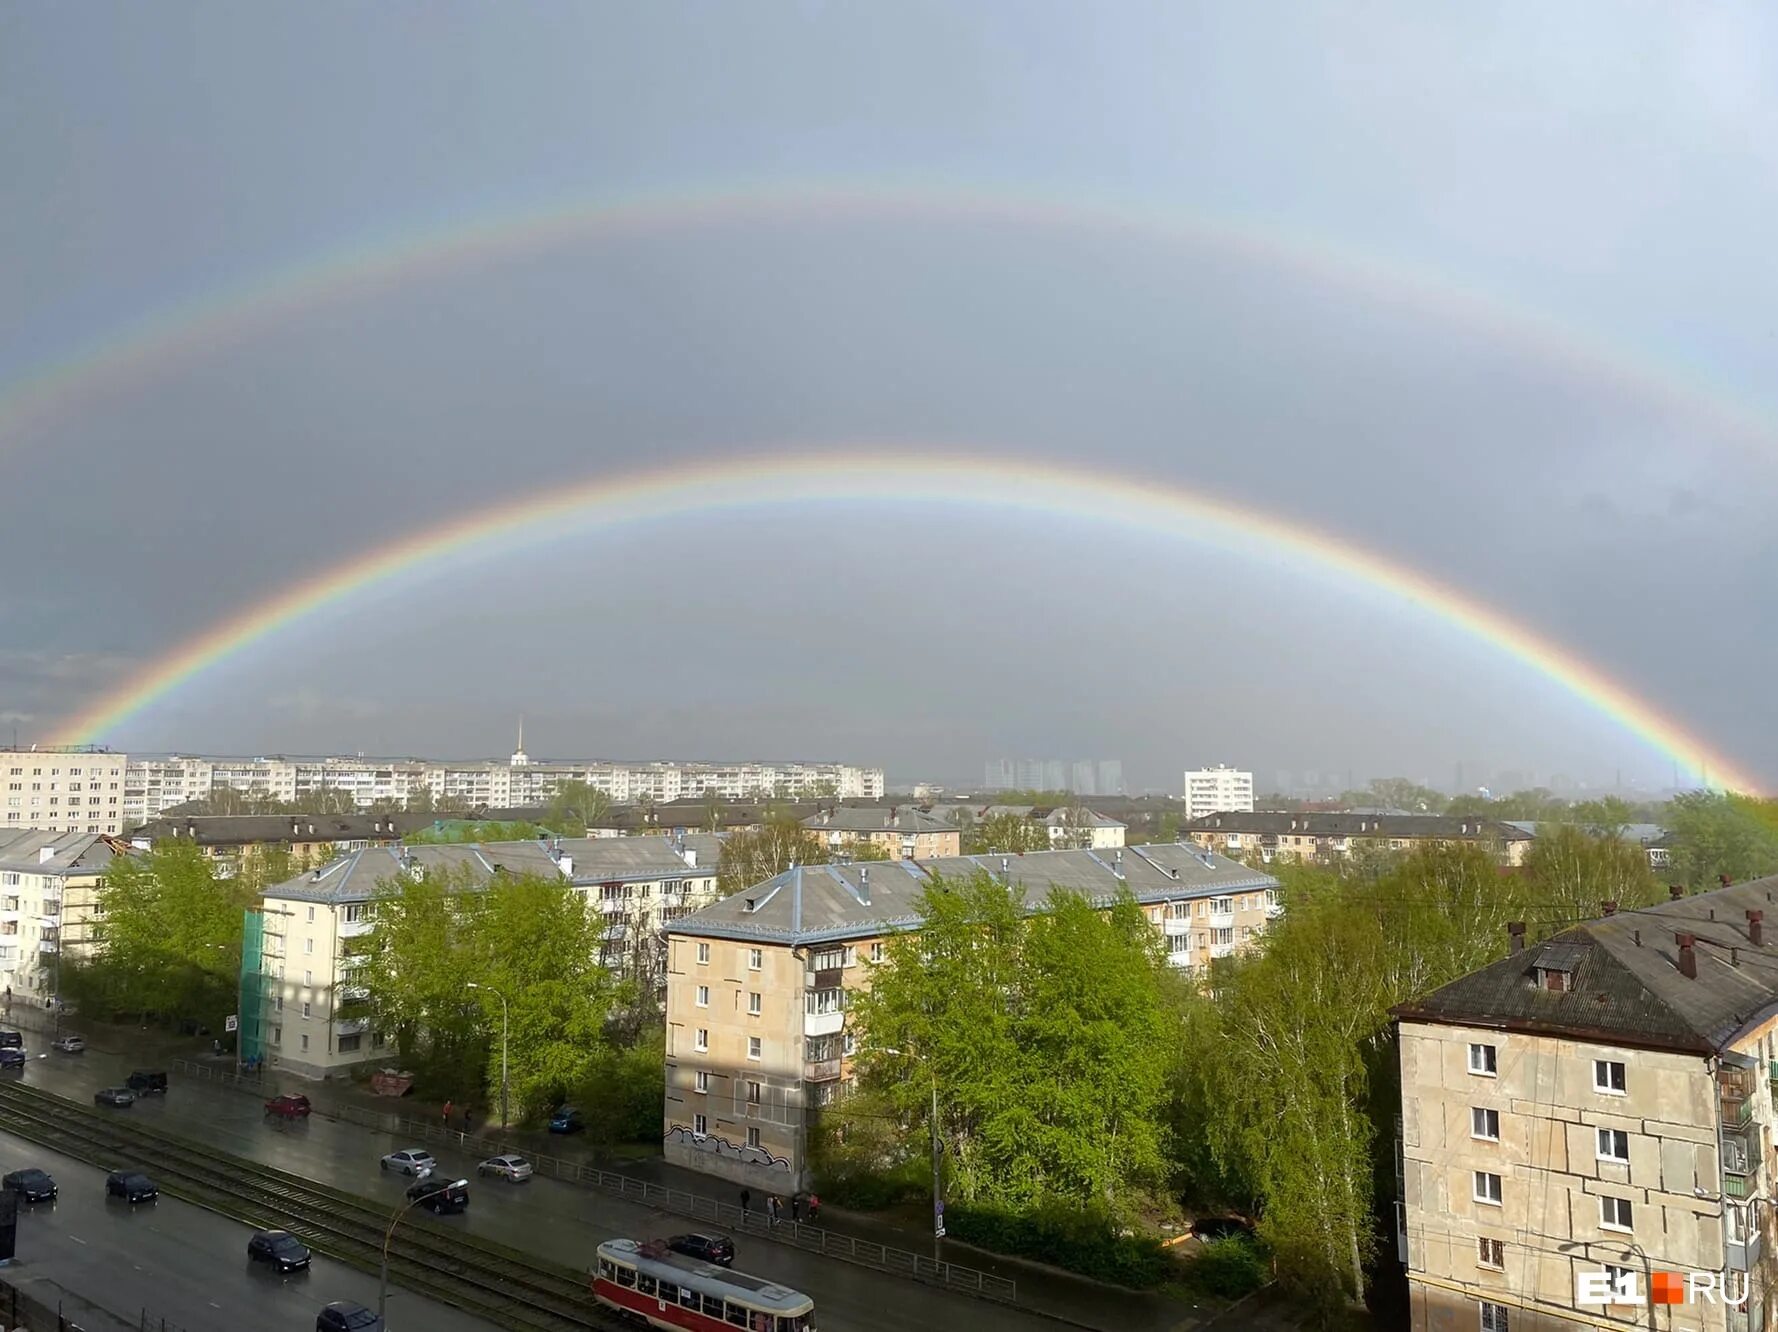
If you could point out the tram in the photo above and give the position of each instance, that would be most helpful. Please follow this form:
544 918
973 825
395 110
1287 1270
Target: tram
660 1288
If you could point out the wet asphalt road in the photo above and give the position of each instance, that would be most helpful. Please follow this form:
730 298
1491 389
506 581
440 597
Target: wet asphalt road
182 1263
550 1218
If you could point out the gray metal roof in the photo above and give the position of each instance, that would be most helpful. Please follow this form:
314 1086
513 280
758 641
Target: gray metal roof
246 829
1625 985
1269 822
21 849
821 903
886 818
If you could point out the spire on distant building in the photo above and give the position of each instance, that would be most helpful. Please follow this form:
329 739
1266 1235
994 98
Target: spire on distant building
520 758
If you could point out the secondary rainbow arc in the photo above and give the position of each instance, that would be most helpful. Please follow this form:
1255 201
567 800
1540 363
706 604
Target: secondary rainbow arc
906 474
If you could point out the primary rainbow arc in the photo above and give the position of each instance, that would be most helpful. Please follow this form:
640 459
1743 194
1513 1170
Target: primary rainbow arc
904 474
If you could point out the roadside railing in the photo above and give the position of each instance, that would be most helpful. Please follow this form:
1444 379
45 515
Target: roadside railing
224 1074
801 1234
46 1307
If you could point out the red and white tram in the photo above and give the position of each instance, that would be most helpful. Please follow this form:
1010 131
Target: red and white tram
666 1289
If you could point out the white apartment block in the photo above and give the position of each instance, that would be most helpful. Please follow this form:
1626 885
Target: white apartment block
1597 1108
49 885
1217 790
636 885
64 789
153 785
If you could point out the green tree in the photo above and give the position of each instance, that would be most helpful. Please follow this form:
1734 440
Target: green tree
756 855
1012 834
1711 834
574 807
1398 793
865 849
1574 872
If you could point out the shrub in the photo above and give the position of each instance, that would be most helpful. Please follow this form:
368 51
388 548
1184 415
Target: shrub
870 1190
1228 1268
1080 1241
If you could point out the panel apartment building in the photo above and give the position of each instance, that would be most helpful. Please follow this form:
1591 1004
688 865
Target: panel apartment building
1273 835
758 984
305 972
1217 790
154 785
1597 1107
49 885
75 789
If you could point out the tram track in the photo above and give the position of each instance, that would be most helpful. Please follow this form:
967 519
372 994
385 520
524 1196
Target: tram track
509 1288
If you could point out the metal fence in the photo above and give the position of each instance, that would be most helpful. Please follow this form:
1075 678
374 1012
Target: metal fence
801 1234
46 1307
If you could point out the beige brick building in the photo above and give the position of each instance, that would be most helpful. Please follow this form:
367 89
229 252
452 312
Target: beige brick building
900 832
1599 1103
758 984
1271 835
49 900
75 789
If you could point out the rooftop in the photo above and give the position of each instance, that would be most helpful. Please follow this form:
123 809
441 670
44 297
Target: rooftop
878 818
1359 825
243 829
22 850
1622 981
820 903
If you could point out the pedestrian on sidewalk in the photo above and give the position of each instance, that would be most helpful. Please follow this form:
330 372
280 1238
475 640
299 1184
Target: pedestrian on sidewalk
447 1113
814 1207
746 1201
772 1206
466 1119
796 1207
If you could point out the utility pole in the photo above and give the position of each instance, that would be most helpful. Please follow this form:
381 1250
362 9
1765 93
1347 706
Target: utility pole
505 1032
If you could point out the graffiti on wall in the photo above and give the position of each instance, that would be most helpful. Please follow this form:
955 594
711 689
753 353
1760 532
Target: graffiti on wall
716 1145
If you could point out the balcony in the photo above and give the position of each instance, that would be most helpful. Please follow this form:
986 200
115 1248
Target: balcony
830 979
1222 950
821 1070
1744 1255
354 994
823 1024
1734 1090
356 929
351 1027
1222 920
48 946
1174 927
1740 1162
1274 910
1183 961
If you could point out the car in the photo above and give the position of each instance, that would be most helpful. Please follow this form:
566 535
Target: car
718 1249
278 1247
118 1096
71 1044
11 1040
515 1168
33 1185
344 1316
289 1107
1221 1227
410 1161
566 1120
130 1185
147 1084
438 1197
12 1057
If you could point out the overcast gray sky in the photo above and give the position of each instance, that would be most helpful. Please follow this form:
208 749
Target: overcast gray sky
1606 168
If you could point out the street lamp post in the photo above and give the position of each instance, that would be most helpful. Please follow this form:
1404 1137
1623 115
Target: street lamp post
505 1032
938 1199
388 1235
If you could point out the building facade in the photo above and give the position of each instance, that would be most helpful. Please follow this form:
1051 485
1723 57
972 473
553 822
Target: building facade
75 789
900 832
1329 838
1597 1108
758 984
237 840
49 904
1217 790
306 965
152 786
1065 825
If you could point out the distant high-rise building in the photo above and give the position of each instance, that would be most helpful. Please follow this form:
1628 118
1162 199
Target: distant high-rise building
1111 777
1080 776
999 774
64 789
1083 777
1217 790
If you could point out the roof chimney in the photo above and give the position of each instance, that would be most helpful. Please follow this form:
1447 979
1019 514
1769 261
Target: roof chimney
1610 908
1688 956
1674 892
1724 880
1756 927
864 885
1515 933
748 906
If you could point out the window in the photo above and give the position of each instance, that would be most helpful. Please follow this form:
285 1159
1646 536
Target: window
308 1011
1487 1187
688 1298
876 951
753 1047
1490 1253
700 1125
703 996
818 1002
305 1043
828 959
1484 1124
1608 1077
308 978
753 1002
736 1315
756 958
753 1135
1482 1061
701 1081
308 945
350 1043
702 1041
1614 1145
703 954
1614 1213
645 1284
752 1093
626 1276
1493 1317
311 915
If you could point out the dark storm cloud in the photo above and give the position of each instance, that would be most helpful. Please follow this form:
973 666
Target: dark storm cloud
1609 166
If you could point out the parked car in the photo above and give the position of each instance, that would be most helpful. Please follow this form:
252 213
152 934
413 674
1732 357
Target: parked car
289 1107
71 1044
440 1198
147 1084
118 1096
12 1057
33 1185
279 1248
344 1316
130 1185
718 1249
566 1120
515 1168
410 1161
11 1040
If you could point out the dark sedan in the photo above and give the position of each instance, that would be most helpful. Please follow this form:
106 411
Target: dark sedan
718 1249
130 1185
12 1057
279 1248
344 1316
32 1185
439 1197
119 1096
